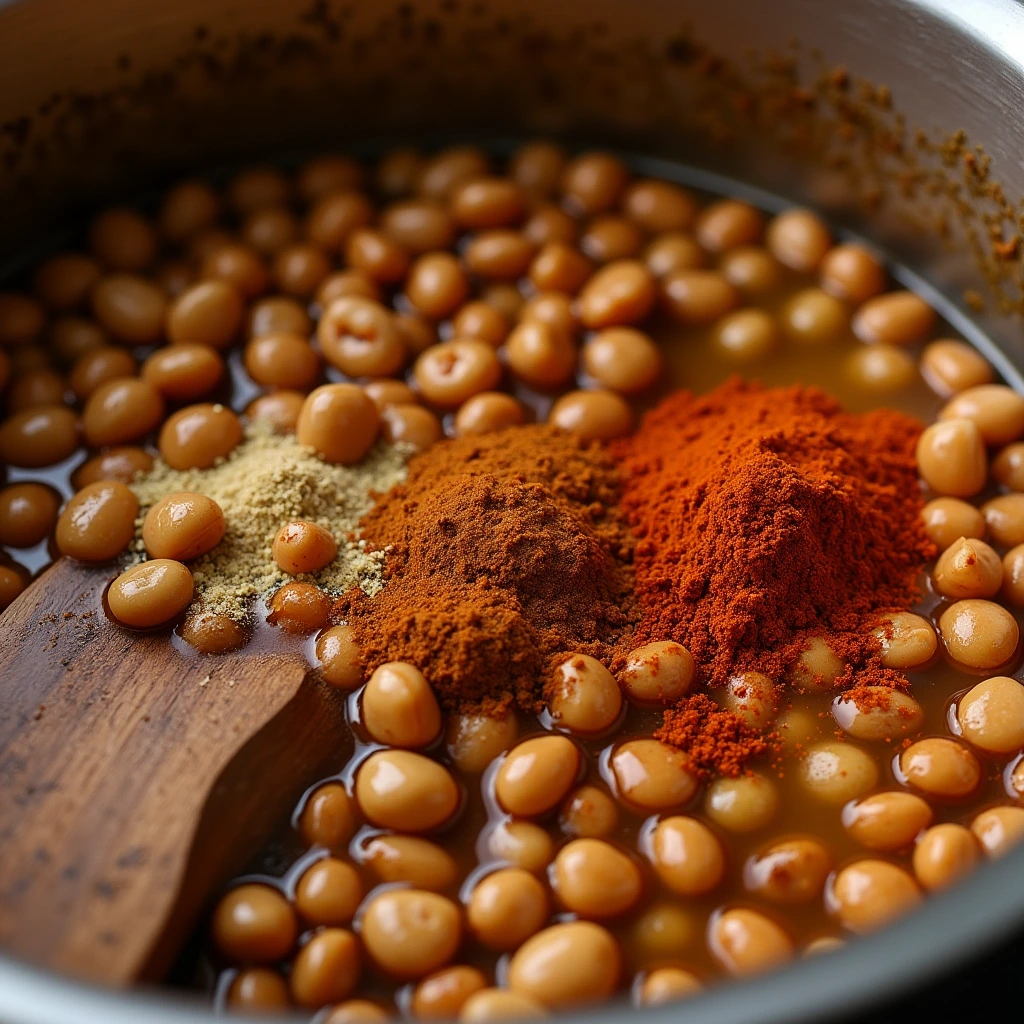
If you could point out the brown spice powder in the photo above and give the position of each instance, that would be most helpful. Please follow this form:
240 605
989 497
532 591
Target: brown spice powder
504 552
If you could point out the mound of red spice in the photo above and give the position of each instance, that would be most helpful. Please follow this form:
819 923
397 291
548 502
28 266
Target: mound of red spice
767 516
717 741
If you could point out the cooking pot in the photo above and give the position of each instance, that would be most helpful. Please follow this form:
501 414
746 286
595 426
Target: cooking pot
901 119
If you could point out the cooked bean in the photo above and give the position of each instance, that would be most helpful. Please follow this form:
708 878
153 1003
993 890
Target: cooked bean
329 817
997 410
38 437
652 775
481 321
123 464
278 315
522 844
906 640
887 821
269 229
474 741
898 318
340 422
35 388
729 223
299 608
817 666
1004 516
622 359
950 366
487 412
28 514
743 804
588 812
387 391
658 206
611 238
397 171
751 696
566 965
813 317
98 523
418 225
499 1004
852 273
746 942
948 519
881 369
334 217
410 859
1013 576
968 568
130 308
991 715
121 239
258 990
697 297
299 270
183 373
541 355
71 337
480 203
280 409
151 594
597 415
752 270
121 410
943 854
198 435
746 335
254 924
341 663
328 893
451 373
666 985
441 996
411 424
799 239
594 880
436 285
410 932
399 707
687 856
506 907
360 338
303 547
877 713
619 294
835 772
790 871
561 268
536 775
209 633
941 768
951 458
594 182
326 969
64 281
550 223
188 208
673 251
347 284
376 255
658 673
282 360
401 790
1008 466
999 829
14 579
870 893
979 634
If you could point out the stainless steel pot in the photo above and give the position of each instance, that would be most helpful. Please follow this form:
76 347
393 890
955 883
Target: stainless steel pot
901 118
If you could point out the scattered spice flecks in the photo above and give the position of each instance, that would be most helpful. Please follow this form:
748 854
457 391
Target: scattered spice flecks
267 481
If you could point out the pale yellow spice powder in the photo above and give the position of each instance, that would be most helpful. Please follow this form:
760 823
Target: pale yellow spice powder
267 481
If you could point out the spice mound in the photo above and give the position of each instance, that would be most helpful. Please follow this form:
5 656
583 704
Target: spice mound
504 550
265 482
765 517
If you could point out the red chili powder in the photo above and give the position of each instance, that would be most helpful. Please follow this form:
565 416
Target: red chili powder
768 516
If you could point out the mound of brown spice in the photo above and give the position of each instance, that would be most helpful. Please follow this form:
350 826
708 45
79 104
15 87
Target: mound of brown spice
503 552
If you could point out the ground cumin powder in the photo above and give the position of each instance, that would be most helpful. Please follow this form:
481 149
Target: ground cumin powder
268 480
504 552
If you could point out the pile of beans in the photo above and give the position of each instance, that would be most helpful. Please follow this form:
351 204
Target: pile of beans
484 867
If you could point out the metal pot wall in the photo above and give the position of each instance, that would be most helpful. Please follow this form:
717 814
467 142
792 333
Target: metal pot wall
900 118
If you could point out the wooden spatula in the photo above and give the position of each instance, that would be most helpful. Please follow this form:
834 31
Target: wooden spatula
134 780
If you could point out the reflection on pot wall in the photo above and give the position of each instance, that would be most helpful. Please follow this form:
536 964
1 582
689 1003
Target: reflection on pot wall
786 95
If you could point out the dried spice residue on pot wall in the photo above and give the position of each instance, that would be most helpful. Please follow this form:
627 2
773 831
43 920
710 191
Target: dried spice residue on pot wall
765 517
504 551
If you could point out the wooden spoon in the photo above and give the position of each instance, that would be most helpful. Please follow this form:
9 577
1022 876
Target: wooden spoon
135 780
